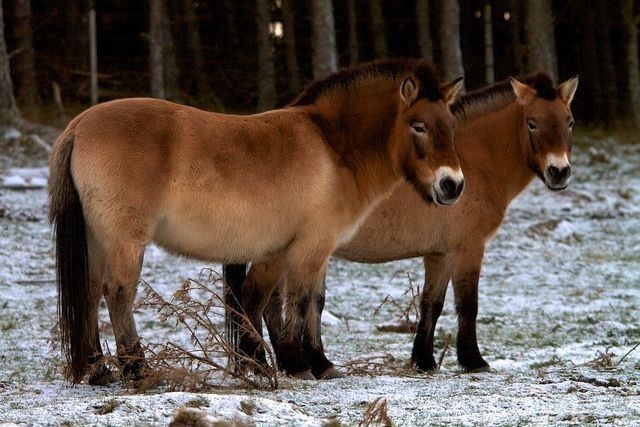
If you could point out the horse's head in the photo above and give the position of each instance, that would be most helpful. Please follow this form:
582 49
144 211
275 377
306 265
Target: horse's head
423 139
549 124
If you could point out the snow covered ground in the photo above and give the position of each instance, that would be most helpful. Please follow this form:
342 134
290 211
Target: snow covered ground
559 308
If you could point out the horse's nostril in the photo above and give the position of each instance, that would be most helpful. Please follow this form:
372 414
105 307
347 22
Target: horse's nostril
559 175
554 172
450 188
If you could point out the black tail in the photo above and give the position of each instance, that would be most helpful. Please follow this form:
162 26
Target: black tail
234 275
72 269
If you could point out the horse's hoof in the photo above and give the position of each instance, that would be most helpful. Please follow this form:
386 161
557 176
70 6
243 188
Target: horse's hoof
330 374
102 377
479 369
304 375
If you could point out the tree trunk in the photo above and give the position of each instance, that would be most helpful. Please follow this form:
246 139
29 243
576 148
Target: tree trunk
607 72
324 58
489 71
424 30
377 29
171 73
452 67
24 60
541 44
9 113
266 71
353 48
156 62
290 45
517 46
200 83
632 63
76 34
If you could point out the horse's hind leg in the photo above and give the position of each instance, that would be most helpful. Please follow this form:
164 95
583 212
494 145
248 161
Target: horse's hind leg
261 280
321 367
437 277
99 373
124 262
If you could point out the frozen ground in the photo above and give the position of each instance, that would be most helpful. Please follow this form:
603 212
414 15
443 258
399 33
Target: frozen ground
559 308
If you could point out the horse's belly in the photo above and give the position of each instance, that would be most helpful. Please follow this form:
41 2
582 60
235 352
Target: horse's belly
223 235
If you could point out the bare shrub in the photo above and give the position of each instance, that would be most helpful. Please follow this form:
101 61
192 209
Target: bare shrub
408 314
375 414
210 360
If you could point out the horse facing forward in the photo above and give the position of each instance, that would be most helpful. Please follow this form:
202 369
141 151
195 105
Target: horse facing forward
286 186
507 134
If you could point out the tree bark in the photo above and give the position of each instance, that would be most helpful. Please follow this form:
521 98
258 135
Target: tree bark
517 46
171 73
156 62
452 67
489 71
266 71
324 57
633 64
24 60
354 54
541 43
201 85
9 113
424 30
377 29
289 39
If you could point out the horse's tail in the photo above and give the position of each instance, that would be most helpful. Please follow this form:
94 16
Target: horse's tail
72 269
234 275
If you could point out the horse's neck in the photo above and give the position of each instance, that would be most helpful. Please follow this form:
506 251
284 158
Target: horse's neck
359 136
494 145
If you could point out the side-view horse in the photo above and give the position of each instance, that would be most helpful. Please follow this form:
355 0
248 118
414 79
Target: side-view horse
285 187
507 134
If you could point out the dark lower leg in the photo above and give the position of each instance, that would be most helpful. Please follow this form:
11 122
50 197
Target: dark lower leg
314 349
292 355
273 320
431 302
466 290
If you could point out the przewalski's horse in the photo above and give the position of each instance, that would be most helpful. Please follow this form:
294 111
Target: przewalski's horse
507 134
287 185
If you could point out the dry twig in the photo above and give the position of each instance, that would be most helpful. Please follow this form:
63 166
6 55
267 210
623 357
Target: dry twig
376 414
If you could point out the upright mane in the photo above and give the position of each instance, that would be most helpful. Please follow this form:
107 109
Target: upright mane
390 69
497 96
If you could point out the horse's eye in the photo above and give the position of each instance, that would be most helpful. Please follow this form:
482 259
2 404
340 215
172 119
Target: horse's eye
532 125
571 123
418 127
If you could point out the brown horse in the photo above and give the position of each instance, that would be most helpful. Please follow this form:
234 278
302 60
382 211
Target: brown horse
287 186
507 134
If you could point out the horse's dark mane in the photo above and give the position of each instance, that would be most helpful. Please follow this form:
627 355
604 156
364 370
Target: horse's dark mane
429 86
497 96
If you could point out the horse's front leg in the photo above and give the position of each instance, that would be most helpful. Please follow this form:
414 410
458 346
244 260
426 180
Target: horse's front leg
437 276
300 332
466 274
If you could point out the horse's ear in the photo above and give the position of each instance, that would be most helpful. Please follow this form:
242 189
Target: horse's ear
408 91
567 89
522 91
451 89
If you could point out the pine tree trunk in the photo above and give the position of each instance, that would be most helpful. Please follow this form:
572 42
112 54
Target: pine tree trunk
607 72
266 71
353 49
517 46
452 67
424 30
156 61
9 113
489 71
170 66
200 82
324 57
24 61
76 34
290 45
633 65
541 44
378 30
